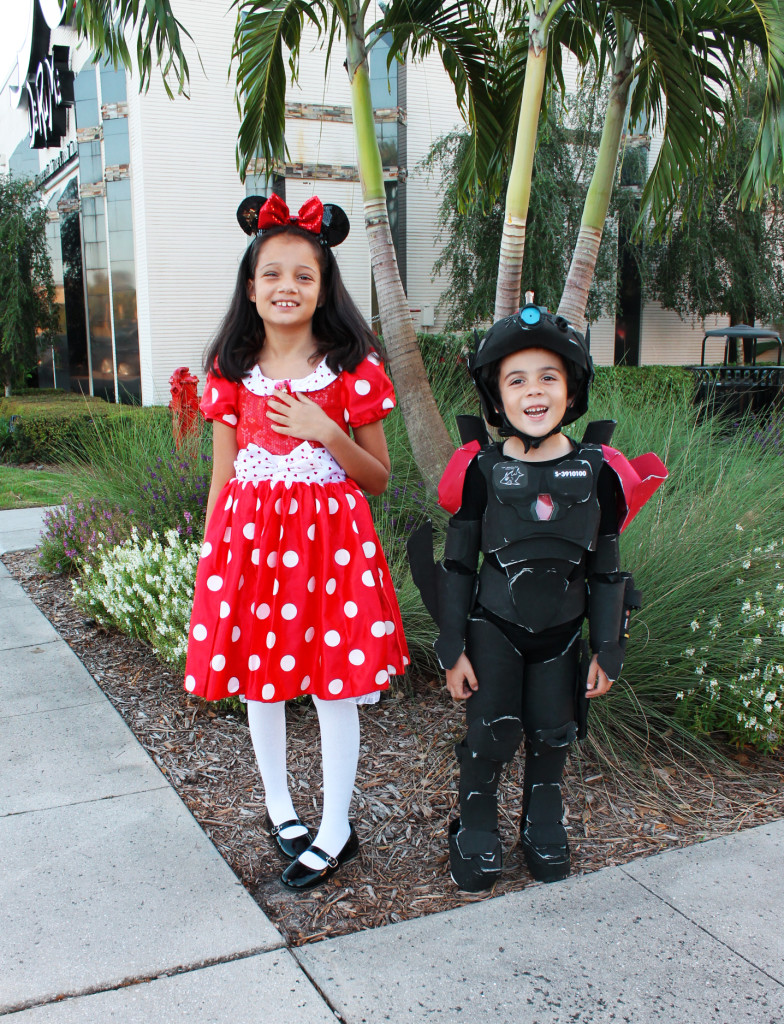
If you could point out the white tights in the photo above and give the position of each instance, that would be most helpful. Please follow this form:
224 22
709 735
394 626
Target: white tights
339 724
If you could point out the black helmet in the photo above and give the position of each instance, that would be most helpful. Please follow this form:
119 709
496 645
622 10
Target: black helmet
531 327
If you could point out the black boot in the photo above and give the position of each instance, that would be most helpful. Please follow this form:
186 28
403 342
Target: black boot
474 857
543 835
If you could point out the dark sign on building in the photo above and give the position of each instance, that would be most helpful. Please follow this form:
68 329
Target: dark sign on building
49 94
48 86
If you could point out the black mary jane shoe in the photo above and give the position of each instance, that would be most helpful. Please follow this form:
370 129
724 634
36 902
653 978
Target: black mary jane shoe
290 848
299 876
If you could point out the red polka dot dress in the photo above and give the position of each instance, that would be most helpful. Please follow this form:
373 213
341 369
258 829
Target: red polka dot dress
293 593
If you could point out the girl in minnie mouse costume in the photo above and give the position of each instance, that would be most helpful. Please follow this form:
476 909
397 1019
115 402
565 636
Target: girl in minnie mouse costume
545 512
293 594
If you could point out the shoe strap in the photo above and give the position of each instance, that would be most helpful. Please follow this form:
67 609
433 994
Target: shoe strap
332 861
286 824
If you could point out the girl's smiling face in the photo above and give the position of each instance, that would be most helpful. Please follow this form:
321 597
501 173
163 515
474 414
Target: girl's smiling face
534 390
286 286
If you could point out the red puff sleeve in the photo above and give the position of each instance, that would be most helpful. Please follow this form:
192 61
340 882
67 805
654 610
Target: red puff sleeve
219 401
367 392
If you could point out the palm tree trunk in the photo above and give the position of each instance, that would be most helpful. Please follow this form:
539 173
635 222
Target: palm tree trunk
518 193
578 282
430 442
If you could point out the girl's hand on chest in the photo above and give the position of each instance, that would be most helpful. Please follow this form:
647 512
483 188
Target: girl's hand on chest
296 415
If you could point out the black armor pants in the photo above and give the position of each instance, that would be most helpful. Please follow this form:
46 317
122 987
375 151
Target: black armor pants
515 699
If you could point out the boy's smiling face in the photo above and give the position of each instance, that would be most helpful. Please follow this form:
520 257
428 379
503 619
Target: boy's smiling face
534 390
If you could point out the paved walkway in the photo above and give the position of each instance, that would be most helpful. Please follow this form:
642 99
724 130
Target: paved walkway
115 906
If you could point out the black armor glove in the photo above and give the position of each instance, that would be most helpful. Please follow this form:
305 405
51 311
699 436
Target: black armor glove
455 598
447 587
609 611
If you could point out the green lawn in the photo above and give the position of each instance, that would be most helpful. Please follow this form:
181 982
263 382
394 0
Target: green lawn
24 488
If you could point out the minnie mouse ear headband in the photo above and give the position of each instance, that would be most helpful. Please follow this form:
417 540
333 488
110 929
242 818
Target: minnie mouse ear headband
327 222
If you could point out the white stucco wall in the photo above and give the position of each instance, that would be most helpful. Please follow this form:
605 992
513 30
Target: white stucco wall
185 190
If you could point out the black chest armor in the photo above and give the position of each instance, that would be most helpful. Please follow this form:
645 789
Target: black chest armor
539 523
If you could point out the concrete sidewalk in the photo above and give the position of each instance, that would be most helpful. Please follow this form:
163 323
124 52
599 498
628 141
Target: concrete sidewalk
21 528
115 906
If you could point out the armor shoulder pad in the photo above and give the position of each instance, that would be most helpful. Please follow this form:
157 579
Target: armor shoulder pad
639 478
450 487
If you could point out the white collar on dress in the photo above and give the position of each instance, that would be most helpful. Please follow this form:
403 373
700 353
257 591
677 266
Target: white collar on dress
258 384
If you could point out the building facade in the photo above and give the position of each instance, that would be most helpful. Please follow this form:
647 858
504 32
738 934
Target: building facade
141 193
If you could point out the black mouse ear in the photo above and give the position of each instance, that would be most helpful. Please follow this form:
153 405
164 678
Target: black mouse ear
248 213
334 225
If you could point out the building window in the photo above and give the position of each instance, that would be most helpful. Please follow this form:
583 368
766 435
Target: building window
112 334
385 89
74 372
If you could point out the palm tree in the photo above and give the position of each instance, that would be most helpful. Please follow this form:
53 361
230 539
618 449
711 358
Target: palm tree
264 28
542 48
681 66
685 74
665 66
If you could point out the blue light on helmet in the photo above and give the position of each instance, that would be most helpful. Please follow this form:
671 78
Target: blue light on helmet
530 315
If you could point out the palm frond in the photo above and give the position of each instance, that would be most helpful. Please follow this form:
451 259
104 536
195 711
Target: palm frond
759 25
264 28
106 25
464 37
681 81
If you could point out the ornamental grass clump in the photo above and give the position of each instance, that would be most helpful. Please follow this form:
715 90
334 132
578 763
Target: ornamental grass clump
707 649
132 464
145 589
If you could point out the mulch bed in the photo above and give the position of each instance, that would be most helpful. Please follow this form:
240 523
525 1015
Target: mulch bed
405 791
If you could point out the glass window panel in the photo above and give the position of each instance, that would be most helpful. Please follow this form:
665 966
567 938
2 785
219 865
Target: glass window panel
121 243
95 255
86 97
115 142
51 359
112 84
100 333
75 372
90 166
126 328
120 190
386 133
383 80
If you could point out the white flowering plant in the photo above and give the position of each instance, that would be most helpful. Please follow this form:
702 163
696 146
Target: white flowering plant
145 589
742 697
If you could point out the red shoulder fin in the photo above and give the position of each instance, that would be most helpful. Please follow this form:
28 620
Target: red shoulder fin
450 487
639 479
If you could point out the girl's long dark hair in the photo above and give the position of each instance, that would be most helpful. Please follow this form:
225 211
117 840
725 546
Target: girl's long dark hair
341 332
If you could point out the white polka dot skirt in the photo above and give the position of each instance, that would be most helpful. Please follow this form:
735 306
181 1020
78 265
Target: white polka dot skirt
293 595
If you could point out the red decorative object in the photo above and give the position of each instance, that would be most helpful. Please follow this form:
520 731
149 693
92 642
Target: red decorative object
450 489
184 404
275 212
639 479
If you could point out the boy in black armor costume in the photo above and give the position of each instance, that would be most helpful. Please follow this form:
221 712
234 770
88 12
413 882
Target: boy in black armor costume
546 513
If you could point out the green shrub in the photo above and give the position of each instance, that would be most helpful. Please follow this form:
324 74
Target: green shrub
56 426
658 382
745 705
6 437
396 514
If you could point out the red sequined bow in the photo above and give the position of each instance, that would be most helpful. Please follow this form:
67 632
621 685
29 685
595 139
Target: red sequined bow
274 212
